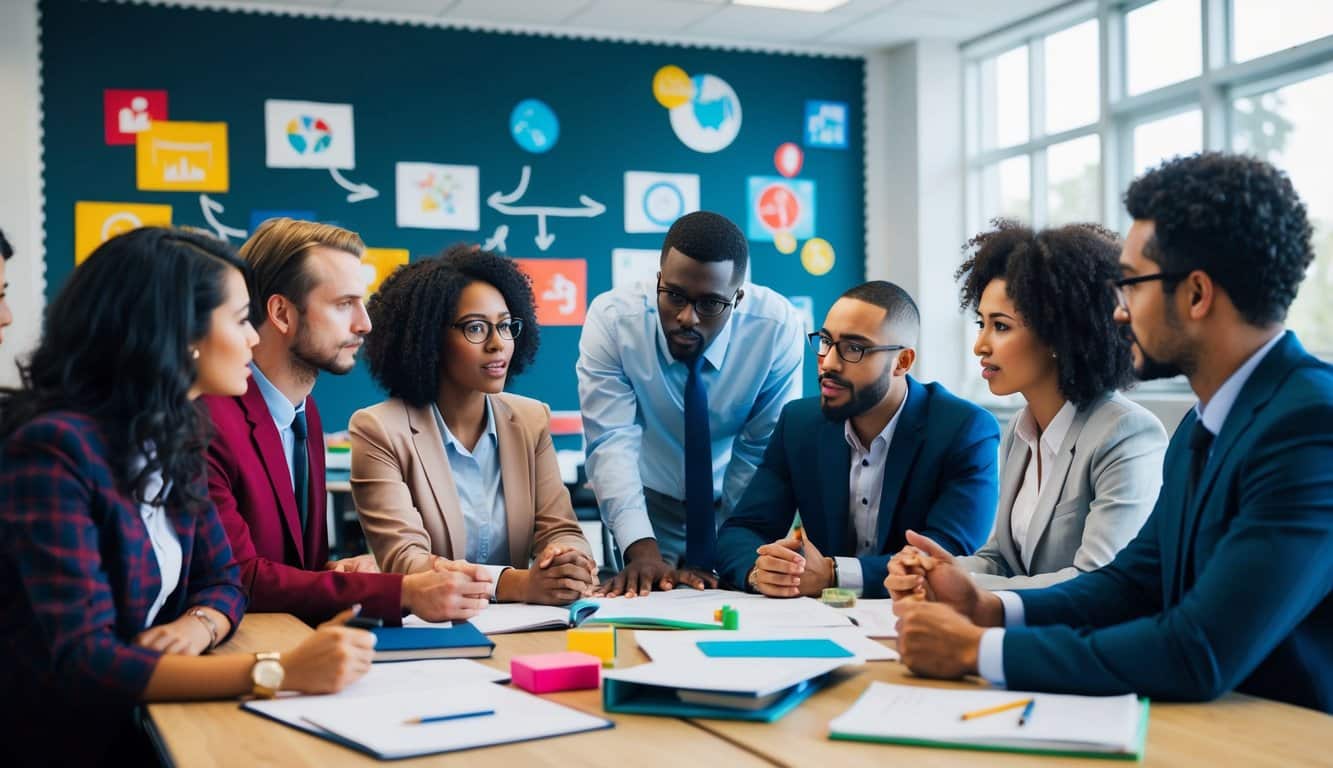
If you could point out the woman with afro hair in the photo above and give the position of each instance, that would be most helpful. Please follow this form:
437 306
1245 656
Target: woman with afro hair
1080 464
451 465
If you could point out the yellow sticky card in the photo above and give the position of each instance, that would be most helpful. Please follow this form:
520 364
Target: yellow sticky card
96 223
379 263
672 87
175 156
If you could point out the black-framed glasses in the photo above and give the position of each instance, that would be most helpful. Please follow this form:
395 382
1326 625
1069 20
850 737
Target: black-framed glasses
850 351
708 306
478 331
1119 285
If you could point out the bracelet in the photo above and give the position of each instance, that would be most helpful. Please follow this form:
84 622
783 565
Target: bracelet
209 624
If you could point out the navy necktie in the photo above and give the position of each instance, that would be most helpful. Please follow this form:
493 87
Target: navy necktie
1201 442
700 520
301 467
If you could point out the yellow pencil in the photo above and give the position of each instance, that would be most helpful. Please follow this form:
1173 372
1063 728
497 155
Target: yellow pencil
995 709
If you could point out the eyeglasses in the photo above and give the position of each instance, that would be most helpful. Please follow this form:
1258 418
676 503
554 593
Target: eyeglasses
478 331
849 351
707 306
1119 286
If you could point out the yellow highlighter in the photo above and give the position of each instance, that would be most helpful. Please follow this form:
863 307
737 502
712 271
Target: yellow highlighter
998 708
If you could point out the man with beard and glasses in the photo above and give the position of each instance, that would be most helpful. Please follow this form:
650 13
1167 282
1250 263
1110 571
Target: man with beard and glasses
266 457
874 455
680 384
1227 586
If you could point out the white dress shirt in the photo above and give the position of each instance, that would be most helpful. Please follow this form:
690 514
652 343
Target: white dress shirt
990 654
865 484
166 544
1046 445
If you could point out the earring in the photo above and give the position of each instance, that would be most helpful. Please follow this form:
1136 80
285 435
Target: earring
1053 355
194 353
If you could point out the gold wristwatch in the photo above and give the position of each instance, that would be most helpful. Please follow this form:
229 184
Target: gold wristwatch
267 674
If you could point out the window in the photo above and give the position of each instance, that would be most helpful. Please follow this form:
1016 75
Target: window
1164 44
1261 27
1289 126
1086 97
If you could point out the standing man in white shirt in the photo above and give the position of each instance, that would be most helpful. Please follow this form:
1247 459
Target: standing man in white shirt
680 386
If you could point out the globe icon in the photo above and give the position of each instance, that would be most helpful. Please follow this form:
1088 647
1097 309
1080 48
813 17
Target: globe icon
711 119
534 126
309 134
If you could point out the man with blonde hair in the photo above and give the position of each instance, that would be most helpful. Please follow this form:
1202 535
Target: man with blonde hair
266 458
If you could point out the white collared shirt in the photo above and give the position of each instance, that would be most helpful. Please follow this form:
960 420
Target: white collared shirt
1046 446
865 485
166 544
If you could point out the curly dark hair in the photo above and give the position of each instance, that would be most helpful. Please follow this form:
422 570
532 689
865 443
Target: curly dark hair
116 346
416 304
1235 217
1059 280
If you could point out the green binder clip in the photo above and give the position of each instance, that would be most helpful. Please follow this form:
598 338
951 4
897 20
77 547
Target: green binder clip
728 617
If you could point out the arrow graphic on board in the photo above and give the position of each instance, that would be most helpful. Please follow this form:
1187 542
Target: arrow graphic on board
504 203
210 206
496 242
358 192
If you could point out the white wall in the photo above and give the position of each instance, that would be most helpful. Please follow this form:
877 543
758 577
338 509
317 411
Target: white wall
20 180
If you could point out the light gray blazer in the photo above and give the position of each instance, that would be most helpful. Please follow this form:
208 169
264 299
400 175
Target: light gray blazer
1100 490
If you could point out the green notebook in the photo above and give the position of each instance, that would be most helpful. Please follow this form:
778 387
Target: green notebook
1113 727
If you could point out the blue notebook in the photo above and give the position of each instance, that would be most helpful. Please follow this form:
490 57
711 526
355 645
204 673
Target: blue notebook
798 648
460 641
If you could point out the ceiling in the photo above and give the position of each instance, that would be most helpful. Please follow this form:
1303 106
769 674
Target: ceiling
859 25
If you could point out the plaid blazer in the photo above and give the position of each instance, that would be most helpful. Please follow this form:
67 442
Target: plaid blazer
78 574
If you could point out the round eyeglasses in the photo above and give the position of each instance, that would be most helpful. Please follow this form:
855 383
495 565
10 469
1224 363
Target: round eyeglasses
478 331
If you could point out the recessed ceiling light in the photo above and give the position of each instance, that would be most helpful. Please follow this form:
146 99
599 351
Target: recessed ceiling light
809 6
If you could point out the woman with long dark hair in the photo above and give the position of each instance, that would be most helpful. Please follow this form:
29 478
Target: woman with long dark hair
115 572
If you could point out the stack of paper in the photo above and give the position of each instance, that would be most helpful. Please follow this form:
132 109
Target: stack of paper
734 689
695 609
1092 726
874 618
371 714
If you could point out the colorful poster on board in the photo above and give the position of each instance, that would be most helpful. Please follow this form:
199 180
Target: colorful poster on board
779 205
308 134
128 113
182 157
653 201
434 196
560 287
97 222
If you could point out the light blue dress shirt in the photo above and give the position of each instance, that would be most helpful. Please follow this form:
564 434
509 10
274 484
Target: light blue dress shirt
990 655
631 391
283 413
480 495
865 486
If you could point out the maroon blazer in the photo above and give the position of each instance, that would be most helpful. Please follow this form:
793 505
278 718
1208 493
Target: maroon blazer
250 483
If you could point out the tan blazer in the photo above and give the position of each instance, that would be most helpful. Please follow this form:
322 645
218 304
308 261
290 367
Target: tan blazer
405 494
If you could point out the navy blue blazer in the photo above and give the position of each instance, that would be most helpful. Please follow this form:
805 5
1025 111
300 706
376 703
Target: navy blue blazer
1231 590
940 479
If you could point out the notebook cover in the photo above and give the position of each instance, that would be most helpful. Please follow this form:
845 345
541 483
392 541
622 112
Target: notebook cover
796 648
460 635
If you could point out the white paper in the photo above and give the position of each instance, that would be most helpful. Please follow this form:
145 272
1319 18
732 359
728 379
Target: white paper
874 618
653 201
435 676
635 266
698 606
684 646
412 620
1086 723
434 196
758 677
308 134
381 723
519 617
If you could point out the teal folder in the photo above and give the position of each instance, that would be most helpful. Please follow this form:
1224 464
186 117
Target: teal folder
803 648
642 699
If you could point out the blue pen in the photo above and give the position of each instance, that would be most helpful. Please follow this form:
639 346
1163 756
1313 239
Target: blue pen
455 716
1027 712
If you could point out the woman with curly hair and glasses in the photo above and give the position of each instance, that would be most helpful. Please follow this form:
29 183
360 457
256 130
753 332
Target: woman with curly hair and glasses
115 571
451 465
1080 464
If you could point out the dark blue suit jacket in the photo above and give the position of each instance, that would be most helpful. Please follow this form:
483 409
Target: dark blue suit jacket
1231 590
940 480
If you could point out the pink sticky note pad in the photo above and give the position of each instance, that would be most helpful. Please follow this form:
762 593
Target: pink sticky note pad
549 672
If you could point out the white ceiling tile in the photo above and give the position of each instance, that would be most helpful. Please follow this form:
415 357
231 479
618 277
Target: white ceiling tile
424 7
745 23
643 16
515 11
307 3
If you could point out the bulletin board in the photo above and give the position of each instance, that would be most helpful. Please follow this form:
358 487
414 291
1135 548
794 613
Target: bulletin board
572 154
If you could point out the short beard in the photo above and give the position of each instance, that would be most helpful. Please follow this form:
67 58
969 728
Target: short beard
308 360
1150 369
858 401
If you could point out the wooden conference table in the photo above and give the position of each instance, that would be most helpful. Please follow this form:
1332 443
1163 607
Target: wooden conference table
1234 730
